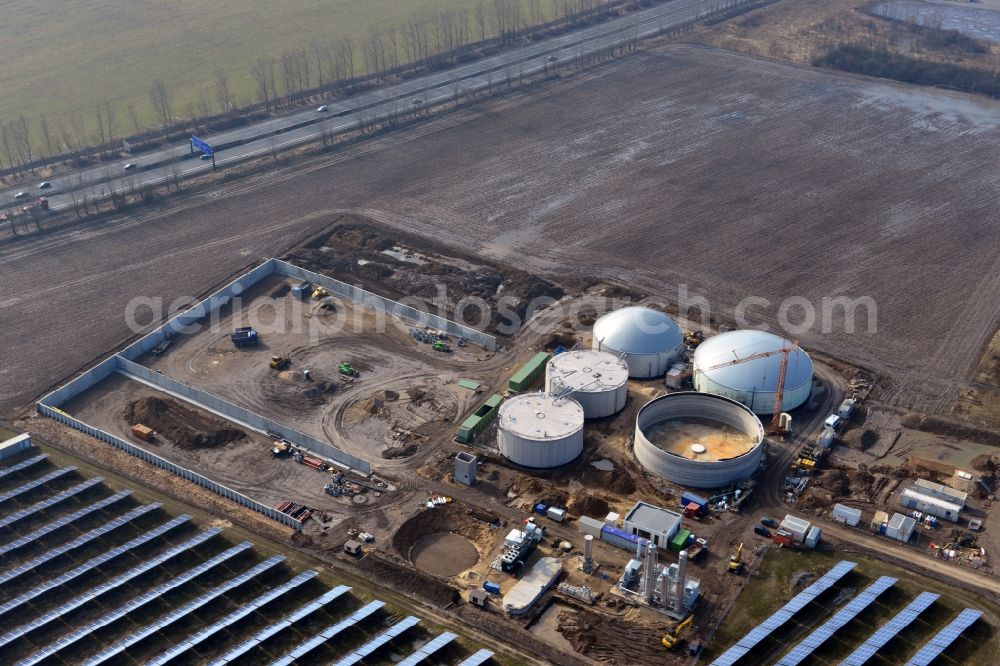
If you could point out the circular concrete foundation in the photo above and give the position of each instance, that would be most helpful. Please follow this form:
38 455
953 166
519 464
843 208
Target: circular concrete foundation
443 554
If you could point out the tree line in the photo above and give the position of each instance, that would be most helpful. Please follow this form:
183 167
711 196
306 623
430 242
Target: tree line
422 43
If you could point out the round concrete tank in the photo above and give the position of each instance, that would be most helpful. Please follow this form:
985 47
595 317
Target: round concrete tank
753 383
698 439
649 340
596 380
537 430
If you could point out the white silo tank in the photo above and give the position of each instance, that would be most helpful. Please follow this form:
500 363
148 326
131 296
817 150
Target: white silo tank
541 431
754 382
649 340
597 380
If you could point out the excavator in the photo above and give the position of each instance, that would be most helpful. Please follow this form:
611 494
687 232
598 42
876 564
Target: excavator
280 362
673 637
736 561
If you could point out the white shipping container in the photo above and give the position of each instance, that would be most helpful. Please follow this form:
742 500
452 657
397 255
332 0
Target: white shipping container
556 514
812 537
591 526
900 527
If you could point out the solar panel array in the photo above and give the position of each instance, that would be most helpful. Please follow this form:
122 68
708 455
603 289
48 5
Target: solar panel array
81 540
24 464
890 629
426 651
944 638
244 611
217 591
132 605
63 521
31 485
377 643
825 631
478 659
50 502
116 582
91 564
333 630
281 625
784 614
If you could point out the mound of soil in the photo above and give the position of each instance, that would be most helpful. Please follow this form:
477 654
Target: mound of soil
400 451
567 340
616 481
949 428
834 480
588 505
181 425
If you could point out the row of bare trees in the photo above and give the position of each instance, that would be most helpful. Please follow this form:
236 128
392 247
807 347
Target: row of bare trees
423 42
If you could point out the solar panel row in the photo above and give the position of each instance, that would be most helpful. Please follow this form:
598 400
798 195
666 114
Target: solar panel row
281 625
478 659
91 564
63 521
428 650
377 643
81 540
132 605
173 616
107 586
50 502
890 629
944 638
784 614
333 630
244 611
31 485
825 632
24 464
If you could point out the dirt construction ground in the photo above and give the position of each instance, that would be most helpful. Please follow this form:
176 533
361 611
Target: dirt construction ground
729 174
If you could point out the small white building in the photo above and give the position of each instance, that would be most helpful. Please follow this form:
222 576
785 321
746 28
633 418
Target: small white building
797 527
912 499
14 445
652 523
846 514
941 492
900 527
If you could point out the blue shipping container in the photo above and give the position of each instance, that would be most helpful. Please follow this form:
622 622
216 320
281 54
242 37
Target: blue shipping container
688 498
540 509
619 538
492 588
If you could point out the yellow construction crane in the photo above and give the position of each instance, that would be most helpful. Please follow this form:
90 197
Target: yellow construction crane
673 637
736 561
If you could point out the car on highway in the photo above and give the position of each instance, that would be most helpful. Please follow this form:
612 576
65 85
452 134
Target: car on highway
762 531
770 522
129 166
552 58
44 185
205 156
20 195
323 109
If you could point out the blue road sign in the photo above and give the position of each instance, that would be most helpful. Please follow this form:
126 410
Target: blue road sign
198 144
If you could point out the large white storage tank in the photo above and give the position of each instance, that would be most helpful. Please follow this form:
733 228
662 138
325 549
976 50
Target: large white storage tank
541 431
650 340
698 440
753 383
597 380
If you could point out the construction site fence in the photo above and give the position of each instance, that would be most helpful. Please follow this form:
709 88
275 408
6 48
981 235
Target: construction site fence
174 468
394 308
242 415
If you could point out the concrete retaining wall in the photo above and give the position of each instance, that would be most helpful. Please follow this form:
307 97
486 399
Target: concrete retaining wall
162 463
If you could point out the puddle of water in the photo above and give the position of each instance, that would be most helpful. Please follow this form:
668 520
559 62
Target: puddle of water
603 465
402 254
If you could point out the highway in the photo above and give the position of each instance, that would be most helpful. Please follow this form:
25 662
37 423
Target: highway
302 127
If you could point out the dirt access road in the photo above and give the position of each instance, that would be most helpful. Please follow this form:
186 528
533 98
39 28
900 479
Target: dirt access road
722 172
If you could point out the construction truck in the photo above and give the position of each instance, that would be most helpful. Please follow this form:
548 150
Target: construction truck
319 293
736 561
348 370
280 362
281 448
673 637
694 338
244 337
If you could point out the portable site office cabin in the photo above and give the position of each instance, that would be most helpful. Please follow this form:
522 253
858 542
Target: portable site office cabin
846 514
928 504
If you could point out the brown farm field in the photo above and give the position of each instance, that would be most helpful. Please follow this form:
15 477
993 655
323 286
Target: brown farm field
729 174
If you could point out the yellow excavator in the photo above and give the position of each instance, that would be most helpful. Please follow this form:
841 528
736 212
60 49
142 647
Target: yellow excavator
673 637
736 561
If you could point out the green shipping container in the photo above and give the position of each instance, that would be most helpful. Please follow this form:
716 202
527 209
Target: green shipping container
479 419
680 540
528 374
